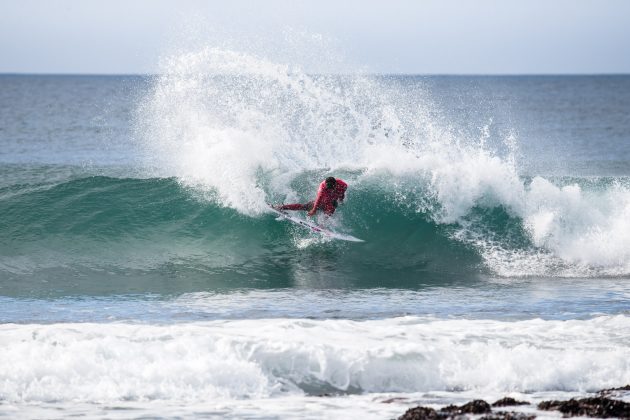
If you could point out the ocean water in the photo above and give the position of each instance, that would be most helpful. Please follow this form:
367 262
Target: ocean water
141 274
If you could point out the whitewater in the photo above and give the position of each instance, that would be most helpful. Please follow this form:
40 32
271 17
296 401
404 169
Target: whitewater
141 273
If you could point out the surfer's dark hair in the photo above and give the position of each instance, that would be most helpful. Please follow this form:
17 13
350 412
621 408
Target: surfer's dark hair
331 181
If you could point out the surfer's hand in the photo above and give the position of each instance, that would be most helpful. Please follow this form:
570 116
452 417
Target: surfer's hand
311 213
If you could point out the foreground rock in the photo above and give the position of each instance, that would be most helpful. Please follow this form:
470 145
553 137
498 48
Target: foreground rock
507 401
421 413
508 415
601 407
473 407
453 412
448 412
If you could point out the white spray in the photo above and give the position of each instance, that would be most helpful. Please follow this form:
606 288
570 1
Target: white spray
240 128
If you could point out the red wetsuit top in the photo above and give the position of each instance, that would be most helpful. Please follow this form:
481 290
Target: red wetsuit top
327 199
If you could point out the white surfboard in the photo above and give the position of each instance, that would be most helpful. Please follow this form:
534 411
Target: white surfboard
313 227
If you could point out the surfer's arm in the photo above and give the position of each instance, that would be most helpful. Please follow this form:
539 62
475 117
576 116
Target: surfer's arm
314 209
316 203
342 192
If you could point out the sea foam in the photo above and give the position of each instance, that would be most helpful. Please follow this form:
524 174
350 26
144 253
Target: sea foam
274 357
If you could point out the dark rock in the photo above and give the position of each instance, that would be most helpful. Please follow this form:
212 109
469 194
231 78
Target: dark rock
508 415
450 409
601 407
475 407
421 413
448 412
507 401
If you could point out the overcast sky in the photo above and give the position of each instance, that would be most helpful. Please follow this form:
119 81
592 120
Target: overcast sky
387 36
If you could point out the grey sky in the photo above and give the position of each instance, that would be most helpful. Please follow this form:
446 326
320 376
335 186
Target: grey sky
425 37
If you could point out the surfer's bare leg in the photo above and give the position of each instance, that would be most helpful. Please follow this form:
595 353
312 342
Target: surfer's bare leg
297 206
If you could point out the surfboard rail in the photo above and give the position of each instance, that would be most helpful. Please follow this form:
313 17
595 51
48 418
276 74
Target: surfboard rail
313 227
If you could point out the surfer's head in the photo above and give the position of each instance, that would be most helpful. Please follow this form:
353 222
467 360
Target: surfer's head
331 182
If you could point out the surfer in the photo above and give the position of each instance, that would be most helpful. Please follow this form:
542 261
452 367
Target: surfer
330 194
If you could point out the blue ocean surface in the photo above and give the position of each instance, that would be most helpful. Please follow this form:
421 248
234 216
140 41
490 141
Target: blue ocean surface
141 273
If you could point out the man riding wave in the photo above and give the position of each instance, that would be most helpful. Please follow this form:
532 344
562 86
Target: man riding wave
330 194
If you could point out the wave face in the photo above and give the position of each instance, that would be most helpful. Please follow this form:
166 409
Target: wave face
156 228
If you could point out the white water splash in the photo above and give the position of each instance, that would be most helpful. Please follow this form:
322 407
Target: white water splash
241 129
244 359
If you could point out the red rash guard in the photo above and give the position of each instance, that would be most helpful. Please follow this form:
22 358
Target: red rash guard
327 199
